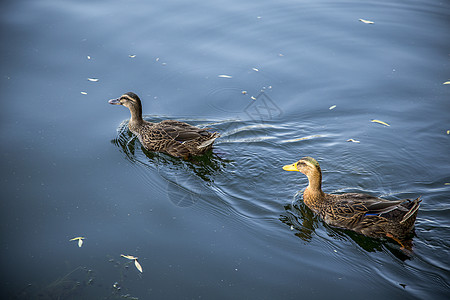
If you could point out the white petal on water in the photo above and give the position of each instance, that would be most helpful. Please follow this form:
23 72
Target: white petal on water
93 79
88 57
447 82
225 76
255 69
253 98
83 93
332 107
132 56
138 266
157 59
80 243
366 21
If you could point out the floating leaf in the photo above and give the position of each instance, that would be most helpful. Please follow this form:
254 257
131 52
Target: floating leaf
128 256
255 69
366 21
380 122
448 131
93 79
88 57
83 93
79 239
132 56
138 266
353 141
157 59
244 92
225 76
253 98
332 107
447 82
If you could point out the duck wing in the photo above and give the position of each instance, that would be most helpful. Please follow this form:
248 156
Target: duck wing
367 204
181 131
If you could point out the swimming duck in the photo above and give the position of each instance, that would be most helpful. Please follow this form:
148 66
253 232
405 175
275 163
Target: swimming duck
365 214
176 138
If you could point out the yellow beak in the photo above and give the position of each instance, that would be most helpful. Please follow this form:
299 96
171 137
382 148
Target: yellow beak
292 167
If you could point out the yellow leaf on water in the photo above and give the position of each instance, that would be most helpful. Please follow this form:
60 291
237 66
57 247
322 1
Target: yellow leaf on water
128 256
447 183
138 266
447 82
366 21
448 131
380 122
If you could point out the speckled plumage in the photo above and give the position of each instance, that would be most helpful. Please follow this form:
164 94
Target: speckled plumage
365 214
176 138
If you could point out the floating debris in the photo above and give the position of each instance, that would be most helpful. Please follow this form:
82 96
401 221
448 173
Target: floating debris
366 21
83 93
280 54
332 107
255 69
88 57
138 266
244 92
93 79
157 59
136 263
253 98
128 256
448 131
447 183
132 56
225 76
380 122
353 141
258 17
447 82
80 240
292 227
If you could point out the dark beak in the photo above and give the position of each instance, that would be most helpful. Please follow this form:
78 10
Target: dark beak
114 101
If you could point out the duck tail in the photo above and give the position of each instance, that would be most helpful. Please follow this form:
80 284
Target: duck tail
412 211
208 142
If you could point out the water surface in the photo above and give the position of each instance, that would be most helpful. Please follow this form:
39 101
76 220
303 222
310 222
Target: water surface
231 224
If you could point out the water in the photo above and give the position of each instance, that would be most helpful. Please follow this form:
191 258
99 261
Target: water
229 225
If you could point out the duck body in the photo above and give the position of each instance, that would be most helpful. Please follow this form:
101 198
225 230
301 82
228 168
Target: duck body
362 213
176 138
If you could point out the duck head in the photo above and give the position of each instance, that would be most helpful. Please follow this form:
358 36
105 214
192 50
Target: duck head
310 167
307 165
132 102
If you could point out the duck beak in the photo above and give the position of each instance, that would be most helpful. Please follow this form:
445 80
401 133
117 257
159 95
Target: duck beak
292 167
114 101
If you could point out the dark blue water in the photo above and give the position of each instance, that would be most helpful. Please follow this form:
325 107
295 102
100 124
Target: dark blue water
231 224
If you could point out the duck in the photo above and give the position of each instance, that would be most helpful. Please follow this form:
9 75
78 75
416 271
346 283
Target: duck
365 214
175 138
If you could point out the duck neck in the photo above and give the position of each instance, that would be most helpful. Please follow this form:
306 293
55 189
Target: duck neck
314 188
136 115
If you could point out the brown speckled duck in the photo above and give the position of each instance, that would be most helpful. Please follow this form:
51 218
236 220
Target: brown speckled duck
365 214
176 138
